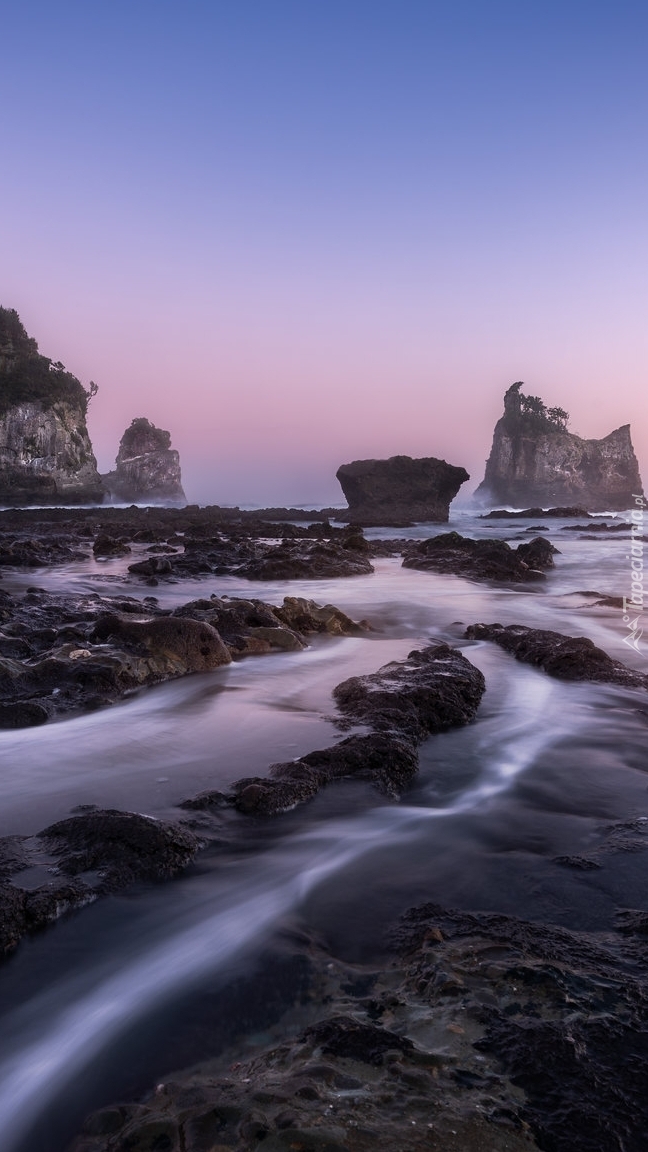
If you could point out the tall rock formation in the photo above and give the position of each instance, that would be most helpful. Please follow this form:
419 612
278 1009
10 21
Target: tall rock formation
45 452
147 467
534 460
399 491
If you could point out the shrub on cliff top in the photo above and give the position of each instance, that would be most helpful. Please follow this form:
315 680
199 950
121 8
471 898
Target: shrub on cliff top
26 376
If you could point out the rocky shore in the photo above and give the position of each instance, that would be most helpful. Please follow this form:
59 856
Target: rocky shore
479 1032
483 1033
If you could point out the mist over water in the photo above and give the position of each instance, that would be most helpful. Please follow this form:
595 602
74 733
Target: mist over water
543 771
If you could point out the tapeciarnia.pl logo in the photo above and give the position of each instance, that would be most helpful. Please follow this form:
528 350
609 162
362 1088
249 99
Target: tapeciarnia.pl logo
633 606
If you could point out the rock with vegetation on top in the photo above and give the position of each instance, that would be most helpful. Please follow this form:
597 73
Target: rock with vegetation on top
534 460
45 451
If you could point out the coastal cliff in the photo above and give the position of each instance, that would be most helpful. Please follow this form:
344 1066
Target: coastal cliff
45 452
399 491
535 460
147 467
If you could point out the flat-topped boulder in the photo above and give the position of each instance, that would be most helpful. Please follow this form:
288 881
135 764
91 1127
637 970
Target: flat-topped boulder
399 491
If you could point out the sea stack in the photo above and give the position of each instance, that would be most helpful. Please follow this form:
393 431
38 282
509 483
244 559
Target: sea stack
534 460
45 451
147 467
399 491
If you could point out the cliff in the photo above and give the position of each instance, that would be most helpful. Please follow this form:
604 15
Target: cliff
147 467
535 460
400 490
45 452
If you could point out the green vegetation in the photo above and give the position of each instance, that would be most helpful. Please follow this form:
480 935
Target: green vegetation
532 413
26 376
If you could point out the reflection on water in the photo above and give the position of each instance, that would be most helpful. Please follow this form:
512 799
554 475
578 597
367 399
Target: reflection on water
542 767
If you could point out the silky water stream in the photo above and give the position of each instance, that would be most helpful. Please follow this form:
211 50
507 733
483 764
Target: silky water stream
113 997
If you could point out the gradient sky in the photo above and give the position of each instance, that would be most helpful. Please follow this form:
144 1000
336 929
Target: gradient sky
300 233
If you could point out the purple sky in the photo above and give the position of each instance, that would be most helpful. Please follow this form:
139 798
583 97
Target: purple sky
297 233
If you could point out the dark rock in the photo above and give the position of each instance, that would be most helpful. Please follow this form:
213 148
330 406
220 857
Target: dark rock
387 762
535 460
534 513
122 846
344 1036
619 527
433 690
23 714
566 657
106 545
404 703
400 490
154 566
481 559
147 468
316 561
173 645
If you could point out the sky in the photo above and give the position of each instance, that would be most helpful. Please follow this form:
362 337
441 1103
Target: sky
301 232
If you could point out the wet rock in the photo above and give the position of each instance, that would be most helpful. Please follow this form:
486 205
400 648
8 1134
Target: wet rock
173 646
389 763
154 566
481 559
535 513
26 553
306 561
344 1036
122 846
82 858
434 689
23 714
106 545
349 1081
566 657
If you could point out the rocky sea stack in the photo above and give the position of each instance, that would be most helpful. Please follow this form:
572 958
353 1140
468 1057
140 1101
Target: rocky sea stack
535 460
45 452
147 467
399 491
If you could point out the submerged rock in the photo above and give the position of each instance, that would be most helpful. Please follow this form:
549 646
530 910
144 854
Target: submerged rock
400 490
535 460
147 467
402 704
86 856
481 559
566 657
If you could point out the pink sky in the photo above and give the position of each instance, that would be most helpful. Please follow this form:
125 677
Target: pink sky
296 237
